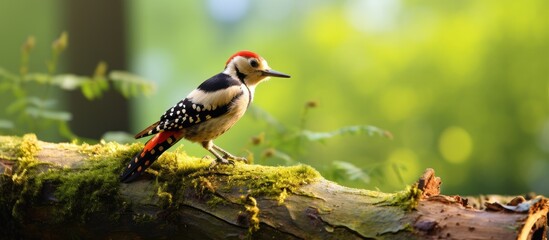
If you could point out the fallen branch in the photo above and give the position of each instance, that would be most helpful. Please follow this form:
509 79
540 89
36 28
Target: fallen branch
67 190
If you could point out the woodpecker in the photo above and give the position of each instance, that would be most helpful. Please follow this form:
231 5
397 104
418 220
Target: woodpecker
206 113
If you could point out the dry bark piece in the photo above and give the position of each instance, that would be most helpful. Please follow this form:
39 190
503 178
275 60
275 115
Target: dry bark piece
429 183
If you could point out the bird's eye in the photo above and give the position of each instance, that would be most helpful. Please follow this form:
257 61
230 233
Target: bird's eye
254 63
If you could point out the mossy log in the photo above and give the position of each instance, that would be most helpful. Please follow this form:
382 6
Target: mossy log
59 191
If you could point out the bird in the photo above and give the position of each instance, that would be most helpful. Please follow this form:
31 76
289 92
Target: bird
205 113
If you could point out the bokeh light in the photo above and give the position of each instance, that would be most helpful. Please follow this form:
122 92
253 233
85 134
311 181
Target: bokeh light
455 144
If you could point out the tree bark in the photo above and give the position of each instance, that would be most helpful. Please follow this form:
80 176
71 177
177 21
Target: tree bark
59 191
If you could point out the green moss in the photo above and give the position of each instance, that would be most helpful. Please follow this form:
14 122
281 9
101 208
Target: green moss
408 199
252 211
92 188
282 196
271 181
182 172
10 147
28 147
203 185
215 201
22 150
109 151
178 164
177 173
19 148
14 188
165 198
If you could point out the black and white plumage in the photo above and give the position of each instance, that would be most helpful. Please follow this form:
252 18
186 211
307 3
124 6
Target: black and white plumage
206 113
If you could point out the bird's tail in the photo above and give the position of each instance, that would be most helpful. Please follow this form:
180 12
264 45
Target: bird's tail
152 150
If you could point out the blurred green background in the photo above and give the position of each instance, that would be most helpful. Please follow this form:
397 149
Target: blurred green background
463 86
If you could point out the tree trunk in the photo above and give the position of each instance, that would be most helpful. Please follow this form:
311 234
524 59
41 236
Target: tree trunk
59 191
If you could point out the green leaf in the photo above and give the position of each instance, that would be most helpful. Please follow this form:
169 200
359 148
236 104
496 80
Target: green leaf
124 89
6 124
69 81
41 103
348 130
87 90
130 85
94 88
49 114
284 156
102 83
38 78
350 171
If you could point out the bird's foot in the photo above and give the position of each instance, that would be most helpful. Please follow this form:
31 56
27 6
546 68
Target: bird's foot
221 161
235 158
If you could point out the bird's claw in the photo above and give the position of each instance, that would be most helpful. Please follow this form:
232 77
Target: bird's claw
221 161
240 159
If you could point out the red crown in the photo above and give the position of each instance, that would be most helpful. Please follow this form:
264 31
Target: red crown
246 54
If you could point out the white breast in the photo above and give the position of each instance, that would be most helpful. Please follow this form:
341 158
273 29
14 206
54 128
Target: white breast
213 128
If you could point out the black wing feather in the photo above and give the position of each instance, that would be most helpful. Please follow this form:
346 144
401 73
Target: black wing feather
187 113
218 82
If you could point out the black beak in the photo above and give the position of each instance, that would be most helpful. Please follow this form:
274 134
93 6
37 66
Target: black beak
273 73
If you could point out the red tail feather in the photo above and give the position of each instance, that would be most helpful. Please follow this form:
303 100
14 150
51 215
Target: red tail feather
152 150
